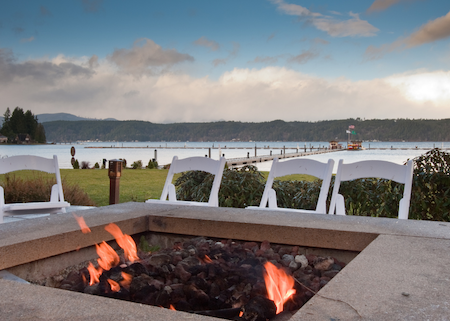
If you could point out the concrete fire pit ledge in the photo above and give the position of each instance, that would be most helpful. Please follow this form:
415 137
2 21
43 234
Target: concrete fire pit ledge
402 271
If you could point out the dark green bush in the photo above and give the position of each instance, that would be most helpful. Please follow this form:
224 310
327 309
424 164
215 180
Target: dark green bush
76 164
239 188
430 196
371 197
297 194
152 164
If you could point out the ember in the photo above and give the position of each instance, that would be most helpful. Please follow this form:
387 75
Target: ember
221 278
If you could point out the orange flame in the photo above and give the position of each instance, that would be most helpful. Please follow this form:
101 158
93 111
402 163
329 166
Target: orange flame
125 241
84 228
126 280
94 273
279 285
172 308
115 287
207 259
108 257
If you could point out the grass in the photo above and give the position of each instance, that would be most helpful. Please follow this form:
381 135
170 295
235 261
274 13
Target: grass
136 185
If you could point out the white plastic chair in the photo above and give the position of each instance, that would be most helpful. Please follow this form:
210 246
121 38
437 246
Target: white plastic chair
29 162
402 174
315 168
209 165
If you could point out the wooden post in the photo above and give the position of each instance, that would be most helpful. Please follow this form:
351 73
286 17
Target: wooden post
114 173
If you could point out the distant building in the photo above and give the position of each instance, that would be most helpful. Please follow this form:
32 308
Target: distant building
334 144
3 139
23 139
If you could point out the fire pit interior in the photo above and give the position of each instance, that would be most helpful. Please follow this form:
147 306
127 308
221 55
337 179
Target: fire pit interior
230 279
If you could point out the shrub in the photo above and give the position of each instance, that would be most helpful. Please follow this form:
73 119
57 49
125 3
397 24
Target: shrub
430 196
38 189
97 165
152 164
297 194
76 164
137 165
430 199
85 165
371 197
239 188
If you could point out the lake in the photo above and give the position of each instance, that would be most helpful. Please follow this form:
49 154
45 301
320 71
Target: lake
144 151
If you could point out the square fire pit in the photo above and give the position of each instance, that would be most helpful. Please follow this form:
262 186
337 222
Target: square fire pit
398 269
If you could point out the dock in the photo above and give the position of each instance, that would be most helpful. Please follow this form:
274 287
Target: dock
233 162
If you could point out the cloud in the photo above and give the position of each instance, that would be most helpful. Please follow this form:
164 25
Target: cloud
27 39
93 62
44 11
380 5
264 60
41 71
304 57
146 56
353 27
18 30
91 5
231 55
252 95
432 31
320 41
205 42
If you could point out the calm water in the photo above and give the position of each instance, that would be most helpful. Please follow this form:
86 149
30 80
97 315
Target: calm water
144 151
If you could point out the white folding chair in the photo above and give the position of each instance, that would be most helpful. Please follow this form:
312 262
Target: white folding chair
29 162
205 164
311 167
402 174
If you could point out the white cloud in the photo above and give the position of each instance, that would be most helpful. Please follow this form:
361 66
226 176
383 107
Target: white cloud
205 42
251 95
423 86
353 27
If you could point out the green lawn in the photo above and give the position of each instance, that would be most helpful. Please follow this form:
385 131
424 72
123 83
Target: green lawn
136 185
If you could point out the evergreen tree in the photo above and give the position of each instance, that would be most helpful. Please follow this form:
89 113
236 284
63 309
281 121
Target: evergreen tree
6 128
20 122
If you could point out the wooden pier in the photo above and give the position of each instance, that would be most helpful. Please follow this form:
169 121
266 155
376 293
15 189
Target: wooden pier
234 162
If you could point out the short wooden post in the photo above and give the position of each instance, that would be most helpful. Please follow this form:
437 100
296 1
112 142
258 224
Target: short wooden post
114 173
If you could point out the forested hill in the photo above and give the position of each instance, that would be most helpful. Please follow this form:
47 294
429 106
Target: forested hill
382 130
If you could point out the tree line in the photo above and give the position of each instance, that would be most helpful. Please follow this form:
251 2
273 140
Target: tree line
20 126
416 130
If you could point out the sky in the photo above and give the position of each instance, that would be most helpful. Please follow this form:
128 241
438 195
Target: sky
205 61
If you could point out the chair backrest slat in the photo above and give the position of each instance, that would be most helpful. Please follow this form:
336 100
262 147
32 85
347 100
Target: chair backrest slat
27 162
